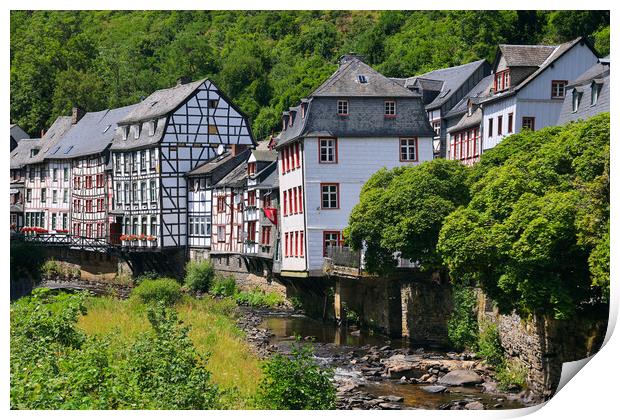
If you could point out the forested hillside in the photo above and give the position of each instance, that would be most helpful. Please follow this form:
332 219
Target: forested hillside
265 61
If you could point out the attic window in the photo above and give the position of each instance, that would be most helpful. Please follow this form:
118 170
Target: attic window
362 78
595 89
56 150
152 127
136 131
153 103
33 152
125 132
107 128
469 109
68 150
576 100
213 103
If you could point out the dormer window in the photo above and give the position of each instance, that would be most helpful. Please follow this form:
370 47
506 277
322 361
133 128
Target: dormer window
362 78
390 109
343 107
251 168
595 90
33 152
576 100
558 89
303 110
136 131
125 131
502 81
284 122
152 127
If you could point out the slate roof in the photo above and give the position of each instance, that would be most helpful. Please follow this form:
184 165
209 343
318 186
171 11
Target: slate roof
478 91
599 70
467 121
557 51
161 102
219 166
344 82
599 73
447 81
61 126
91 135
20 156
526 55
265 155
268 177
236 178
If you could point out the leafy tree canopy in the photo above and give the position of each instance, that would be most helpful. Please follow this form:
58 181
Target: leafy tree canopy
265 60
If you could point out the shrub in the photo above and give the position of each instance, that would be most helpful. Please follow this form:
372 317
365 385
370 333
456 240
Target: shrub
51 268
463 324
296 383
199 275
147 275
512 375
164 290
224 286
258 298
26 260
490 346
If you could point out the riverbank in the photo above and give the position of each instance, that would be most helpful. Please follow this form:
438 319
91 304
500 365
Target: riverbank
375 372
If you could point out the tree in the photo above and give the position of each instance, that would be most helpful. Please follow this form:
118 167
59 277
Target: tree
401 212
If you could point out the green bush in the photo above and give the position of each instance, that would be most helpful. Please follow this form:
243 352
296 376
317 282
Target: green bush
296 383
258 298
223 286
26 260
199 275
512 375
463 323
490 346
164 290
147 275
52 268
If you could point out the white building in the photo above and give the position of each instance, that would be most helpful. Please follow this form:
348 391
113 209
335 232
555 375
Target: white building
355 123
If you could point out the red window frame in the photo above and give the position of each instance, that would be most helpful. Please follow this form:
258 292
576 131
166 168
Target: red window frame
297 156
510 122
327 162
296 206
285 201
533 119
500 121
301 201
341 114
385 109
400 149
296 240
252 231
301 243
290 201
330 232
221 204
554 83
251 168
329 184
266 235
251 198
267 200
286 244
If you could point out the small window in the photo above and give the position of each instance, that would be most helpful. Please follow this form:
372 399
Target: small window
152 127
500 120
330 239
390 108
490 131
528 123
213 103
136 131
409 150
595 89
125 131
437 128
330 196
328 150
510 118
576 100
68 150
362 78
343 107
558 88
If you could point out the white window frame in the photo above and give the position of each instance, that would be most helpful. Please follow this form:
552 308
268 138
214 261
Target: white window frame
408 149
328 147
390 108
342 105
330 193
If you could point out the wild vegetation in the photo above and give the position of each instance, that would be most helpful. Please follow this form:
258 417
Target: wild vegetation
73 351
264 60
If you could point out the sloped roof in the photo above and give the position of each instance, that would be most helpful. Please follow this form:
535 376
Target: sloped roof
272 179
161 102
447 81
91 135
236 178
480 90
20 156
265 155
526 55
344 82
219 166
600 69
467 121
61 126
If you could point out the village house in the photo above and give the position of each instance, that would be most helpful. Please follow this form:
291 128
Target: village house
19 156
441 91
529 86
201 182
355 123
166 136
260 211
47 182
588 94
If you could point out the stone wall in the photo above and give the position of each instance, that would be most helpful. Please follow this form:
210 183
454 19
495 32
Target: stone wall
543 344
93 266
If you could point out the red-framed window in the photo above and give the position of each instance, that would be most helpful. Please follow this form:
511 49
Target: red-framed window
285 202
390 109
301 200
221 204
501 81
558 89
89 230
251 198
251 168
267 200
295 201
76 182
221 233
296 242
409 149
297 156
328 150
286 243
301 243
342 107
89 206
285 161
331 238
529 123
500 120
100 180
252 231
510 122
290 201
330 196
265 237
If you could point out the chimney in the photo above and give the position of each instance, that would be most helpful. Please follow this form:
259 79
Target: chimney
183 80
236 149
42 132
344 59
77 115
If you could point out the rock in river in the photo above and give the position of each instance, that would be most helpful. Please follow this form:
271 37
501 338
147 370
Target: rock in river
460 378
474 405
434 389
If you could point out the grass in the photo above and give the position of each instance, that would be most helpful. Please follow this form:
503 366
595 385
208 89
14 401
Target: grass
212 329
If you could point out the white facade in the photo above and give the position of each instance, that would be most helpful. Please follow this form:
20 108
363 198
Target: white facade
47 195
358 159
199 213
534 101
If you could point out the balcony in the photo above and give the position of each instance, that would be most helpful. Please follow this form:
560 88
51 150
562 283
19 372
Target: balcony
343 261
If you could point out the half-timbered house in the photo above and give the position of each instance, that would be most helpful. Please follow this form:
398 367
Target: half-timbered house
164 137
201 182
22 152
355 123
529 86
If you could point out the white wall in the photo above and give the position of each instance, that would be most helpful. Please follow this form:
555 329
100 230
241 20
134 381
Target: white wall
493 110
